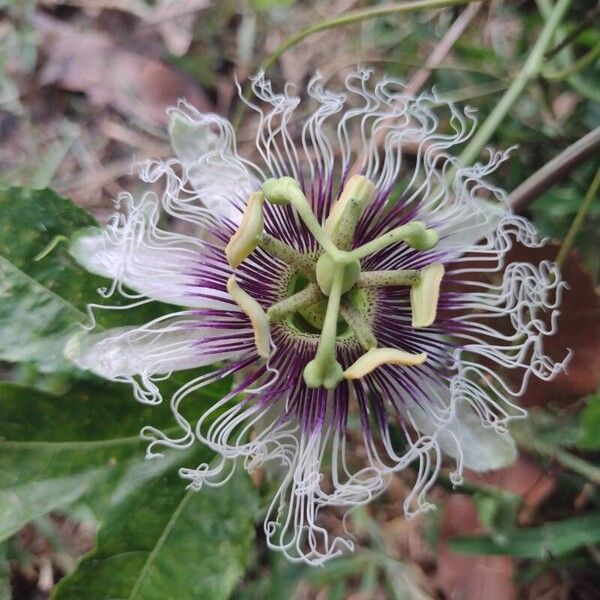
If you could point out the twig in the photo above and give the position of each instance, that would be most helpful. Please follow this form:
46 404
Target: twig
578 220
555 170
355 17
443 47
475 91
566 58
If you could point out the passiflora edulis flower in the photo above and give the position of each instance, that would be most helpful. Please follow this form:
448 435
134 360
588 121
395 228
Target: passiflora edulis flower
376 298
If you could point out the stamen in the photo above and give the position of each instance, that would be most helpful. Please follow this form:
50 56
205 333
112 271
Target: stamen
287 190
309 295
257 316
382 356
358 324
324 370
346 211
377 279
425 294
415 234
246 238
301 262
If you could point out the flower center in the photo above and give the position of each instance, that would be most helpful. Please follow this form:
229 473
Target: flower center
328 296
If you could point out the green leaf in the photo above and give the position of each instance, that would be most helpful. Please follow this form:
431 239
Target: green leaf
43 292
35 316
497 511
589 438
56 449
282 582
547 541
167 542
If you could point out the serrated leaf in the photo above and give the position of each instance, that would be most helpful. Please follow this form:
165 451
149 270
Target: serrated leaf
548 541
165 542
43 296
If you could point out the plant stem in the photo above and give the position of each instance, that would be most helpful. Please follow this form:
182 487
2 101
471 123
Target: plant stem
565 58
532 443
416 82
530 70
355 17
578 220
442 48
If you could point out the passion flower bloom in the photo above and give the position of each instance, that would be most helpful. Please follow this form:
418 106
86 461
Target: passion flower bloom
365 308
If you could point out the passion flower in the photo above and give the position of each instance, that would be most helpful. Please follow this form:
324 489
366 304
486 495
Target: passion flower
375 300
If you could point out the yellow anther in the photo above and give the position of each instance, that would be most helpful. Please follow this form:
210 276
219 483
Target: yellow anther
382 356
424 295
246 238
256 314
347 209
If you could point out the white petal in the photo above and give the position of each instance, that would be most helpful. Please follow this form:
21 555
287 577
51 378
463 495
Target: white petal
167 344
205 145
482 447
154 263
464 230
190 139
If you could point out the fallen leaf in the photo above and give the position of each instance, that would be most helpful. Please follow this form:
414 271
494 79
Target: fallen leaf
463 577
467 577
139 87
578 330
523 478
175 20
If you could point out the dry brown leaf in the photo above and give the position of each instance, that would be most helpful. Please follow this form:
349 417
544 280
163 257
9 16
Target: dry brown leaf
175 20
523 478
139 87
578 329
465 577
468 577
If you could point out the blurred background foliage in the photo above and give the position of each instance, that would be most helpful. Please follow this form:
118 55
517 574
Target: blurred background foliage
83 89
